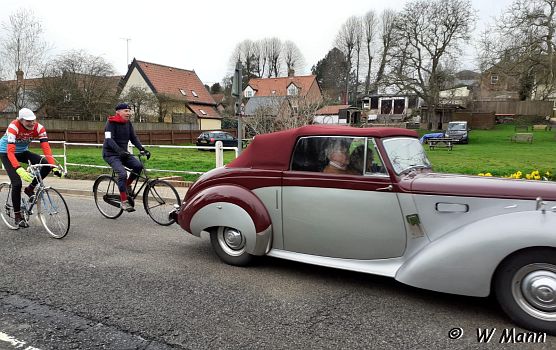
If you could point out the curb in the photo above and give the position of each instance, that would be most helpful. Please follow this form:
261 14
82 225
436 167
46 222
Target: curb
74 192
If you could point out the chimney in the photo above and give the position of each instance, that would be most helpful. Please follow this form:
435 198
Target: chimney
291 72
19 76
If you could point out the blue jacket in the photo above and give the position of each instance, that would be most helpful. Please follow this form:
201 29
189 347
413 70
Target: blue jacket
117 133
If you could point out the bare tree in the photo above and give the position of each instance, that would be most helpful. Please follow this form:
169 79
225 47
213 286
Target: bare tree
245 52
346 41
22 50
78 83
281 114
522 44
293 58
386 35
274 46
358 46
144 104
261 56
370 23
427 32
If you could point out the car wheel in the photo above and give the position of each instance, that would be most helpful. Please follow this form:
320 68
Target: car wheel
525 286
229 245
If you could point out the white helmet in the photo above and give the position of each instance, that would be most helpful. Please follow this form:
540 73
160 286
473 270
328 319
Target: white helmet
27 114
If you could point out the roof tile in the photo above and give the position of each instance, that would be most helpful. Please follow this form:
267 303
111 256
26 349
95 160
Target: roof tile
265 86
169 81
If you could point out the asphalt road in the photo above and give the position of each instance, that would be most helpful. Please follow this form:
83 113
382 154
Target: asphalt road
131 284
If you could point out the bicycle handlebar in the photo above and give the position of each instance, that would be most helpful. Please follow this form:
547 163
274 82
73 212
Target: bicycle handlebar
35 167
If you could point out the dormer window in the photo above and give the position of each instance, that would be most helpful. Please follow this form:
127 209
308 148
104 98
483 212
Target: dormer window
494 79
292 90
194 93
183 92
202 112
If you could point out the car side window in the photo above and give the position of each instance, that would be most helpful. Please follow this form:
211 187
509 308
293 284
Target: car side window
337 155
309 154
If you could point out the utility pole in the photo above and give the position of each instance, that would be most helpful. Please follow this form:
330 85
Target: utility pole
237 83
127 40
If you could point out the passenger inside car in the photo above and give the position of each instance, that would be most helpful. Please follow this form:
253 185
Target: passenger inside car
356 162
338 159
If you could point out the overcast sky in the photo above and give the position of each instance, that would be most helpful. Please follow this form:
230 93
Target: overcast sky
201 35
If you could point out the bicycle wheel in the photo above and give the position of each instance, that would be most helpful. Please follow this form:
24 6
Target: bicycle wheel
159 200
53 212
107 196
7 212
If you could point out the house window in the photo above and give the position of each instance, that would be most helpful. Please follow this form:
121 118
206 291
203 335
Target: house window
494 79
183 92
202 112
292 90
67 97
194 93
248 93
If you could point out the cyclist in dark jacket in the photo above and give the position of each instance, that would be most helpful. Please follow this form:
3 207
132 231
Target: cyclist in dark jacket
118 132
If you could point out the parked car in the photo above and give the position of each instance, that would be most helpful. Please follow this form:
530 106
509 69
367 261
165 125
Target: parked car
209 138
458 131
382 211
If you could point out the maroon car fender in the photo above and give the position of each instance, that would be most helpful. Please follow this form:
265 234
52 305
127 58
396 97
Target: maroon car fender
228 205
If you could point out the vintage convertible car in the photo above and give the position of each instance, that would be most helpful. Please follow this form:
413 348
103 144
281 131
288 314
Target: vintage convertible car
365 199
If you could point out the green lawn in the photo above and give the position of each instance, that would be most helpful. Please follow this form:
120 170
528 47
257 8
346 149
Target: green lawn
492 151
487 151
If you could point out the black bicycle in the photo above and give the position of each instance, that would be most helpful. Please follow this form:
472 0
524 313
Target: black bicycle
51 207
159 196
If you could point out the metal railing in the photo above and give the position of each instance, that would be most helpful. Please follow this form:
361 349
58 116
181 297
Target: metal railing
218 150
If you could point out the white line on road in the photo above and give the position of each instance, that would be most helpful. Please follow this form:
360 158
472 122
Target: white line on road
17 344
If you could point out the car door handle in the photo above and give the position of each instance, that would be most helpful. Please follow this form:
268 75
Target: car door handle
387 188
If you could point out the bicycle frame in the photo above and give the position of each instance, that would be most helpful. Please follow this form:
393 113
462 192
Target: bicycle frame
34 169
143 175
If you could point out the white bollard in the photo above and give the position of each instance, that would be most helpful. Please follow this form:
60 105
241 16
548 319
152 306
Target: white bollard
219 154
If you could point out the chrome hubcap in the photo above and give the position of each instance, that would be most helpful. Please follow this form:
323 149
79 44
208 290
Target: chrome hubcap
231 241
539 289
233 238
534 289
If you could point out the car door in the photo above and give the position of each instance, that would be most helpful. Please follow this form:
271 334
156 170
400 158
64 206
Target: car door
342 215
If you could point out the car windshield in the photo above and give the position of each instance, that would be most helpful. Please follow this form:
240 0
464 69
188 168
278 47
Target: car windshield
456 127
406 154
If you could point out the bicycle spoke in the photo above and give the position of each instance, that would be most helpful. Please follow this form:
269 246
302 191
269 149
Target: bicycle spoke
107 196
53 212
159 199
7 212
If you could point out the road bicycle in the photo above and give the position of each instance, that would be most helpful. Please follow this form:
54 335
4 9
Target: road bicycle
51 207
159 196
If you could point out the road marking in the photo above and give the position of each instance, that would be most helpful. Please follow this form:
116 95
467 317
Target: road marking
18 344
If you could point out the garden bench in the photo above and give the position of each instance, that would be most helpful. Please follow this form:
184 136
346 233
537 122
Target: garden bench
522 137
441 142
541 127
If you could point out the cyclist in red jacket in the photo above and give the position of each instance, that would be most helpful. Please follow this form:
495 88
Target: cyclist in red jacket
14 148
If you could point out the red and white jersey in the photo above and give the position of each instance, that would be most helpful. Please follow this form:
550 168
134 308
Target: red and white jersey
17 139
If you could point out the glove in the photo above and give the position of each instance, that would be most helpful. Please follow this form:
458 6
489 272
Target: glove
124 155
58 172
145 153
24 175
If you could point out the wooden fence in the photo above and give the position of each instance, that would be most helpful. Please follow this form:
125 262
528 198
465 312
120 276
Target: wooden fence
541 108
154 137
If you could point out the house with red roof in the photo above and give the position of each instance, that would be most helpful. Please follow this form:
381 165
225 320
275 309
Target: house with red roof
182 97
285 95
